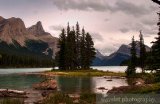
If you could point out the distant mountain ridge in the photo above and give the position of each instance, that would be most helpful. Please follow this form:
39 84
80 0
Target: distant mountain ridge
13 33
115 59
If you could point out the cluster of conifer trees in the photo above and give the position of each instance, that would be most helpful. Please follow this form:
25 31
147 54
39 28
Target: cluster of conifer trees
147 60
134 60
24 61
76 49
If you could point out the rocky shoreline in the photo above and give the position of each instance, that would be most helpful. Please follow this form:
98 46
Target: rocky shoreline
12 93
137 83
42 90
34 95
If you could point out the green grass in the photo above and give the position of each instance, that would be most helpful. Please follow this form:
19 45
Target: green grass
11 101
87 98
152 83
85 73
151 88
62 98
58 98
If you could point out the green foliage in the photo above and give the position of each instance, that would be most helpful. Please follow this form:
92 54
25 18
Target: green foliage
131 70
89 51
36 46
11 101
24 61
62 98
76 49
86 73
155 54
142 53
15 55
61 55
78 45
58 98
153 57
152 88
87 98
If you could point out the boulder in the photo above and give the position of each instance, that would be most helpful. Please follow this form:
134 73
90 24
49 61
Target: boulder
12 93
46 85
138 82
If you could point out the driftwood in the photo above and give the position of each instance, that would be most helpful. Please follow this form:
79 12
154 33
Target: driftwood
12 93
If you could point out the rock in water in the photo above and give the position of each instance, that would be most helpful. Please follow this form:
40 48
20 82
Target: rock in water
12 93
46 85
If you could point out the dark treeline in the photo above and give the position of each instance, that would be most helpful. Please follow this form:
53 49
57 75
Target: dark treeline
76 49
146 60
26 61
14 55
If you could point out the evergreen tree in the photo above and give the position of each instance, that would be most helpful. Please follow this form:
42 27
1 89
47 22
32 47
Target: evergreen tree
68 29
89 51
83 49
62 52
71 47
78 45
67 45
156 49
131 70
142 52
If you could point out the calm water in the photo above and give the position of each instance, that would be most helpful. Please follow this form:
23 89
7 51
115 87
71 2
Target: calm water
28 70
111 68
10 79
87 84
22 70
19 82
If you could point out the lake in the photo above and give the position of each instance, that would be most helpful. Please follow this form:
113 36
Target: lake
15 79
28 70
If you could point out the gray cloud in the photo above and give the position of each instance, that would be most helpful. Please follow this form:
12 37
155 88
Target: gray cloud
132 9
56 27
139 16
97 36
106 20
124 30
147 30
149 22
110 49
103 5
80 5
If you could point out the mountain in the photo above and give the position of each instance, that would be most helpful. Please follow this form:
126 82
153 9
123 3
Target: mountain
115 59
15 38
38 31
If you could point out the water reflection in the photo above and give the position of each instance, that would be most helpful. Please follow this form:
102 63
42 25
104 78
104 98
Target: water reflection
18 81
87 84
74 84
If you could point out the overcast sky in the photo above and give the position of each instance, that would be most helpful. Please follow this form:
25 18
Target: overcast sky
110 22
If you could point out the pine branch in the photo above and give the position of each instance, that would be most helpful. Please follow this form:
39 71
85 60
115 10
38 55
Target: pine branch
156 1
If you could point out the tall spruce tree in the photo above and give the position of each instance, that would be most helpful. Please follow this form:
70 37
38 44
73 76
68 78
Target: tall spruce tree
71 47
142 52
67 45
156 49
89 51
62 52
78 47
131 70
83 49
